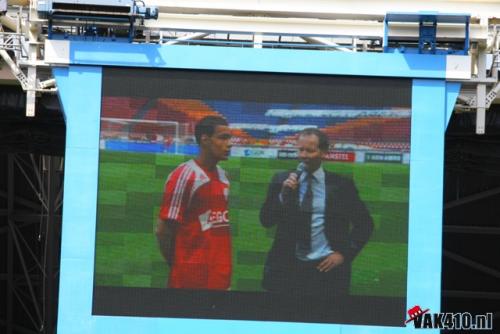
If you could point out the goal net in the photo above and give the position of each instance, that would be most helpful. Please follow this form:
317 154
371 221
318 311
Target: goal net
162 134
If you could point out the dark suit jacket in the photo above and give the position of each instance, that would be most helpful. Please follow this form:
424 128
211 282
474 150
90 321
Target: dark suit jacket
348 226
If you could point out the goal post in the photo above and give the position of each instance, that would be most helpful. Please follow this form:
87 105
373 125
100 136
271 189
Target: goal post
148 134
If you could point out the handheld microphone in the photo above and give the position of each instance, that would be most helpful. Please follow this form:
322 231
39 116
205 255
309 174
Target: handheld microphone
287 190
300 169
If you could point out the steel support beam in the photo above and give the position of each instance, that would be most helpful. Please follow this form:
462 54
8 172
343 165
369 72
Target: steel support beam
35 288
471 230
257 41
334 9
33 33
471 263
8 22
37 321
31 221
19 329
318 40
51 165
35 285
481 95
10 244
355 27
472 198
39 191
19 200
4 276
471 294
188 37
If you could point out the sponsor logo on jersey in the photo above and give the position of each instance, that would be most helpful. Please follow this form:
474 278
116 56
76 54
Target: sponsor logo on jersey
215 218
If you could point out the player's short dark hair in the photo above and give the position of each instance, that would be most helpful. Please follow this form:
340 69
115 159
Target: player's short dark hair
323 143
207 125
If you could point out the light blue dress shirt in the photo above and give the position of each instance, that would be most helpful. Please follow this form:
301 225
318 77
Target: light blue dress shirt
320 246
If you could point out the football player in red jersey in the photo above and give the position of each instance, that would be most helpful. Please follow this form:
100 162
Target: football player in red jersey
193 228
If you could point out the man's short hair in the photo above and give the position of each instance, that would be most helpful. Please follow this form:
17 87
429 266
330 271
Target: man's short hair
207 125
323 143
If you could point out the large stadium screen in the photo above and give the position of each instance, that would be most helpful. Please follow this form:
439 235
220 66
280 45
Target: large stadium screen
233 195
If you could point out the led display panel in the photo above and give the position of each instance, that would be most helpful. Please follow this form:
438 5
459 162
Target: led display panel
253 196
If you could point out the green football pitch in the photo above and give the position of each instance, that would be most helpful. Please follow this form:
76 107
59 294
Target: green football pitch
130 192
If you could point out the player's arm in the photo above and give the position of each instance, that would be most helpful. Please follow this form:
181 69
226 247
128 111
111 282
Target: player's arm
175 199
165 234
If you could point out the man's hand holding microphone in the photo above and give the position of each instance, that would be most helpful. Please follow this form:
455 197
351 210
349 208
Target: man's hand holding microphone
291 184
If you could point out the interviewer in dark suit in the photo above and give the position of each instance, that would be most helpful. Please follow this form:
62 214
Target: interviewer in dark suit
322 224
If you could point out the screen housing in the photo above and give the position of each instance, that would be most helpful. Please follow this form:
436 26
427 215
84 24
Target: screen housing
80 93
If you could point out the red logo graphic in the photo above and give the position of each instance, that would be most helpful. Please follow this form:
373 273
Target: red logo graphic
414 312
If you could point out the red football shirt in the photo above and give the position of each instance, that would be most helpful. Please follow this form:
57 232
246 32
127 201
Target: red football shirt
198 200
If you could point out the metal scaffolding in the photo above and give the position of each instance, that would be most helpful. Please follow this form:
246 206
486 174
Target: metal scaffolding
31 223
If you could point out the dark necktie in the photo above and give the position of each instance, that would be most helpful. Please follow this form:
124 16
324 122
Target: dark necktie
306 207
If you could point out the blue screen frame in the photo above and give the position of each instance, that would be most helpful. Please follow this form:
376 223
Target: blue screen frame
80 94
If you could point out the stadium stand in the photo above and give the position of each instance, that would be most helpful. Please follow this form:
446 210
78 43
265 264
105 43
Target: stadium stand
276 128
121 107
371 129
